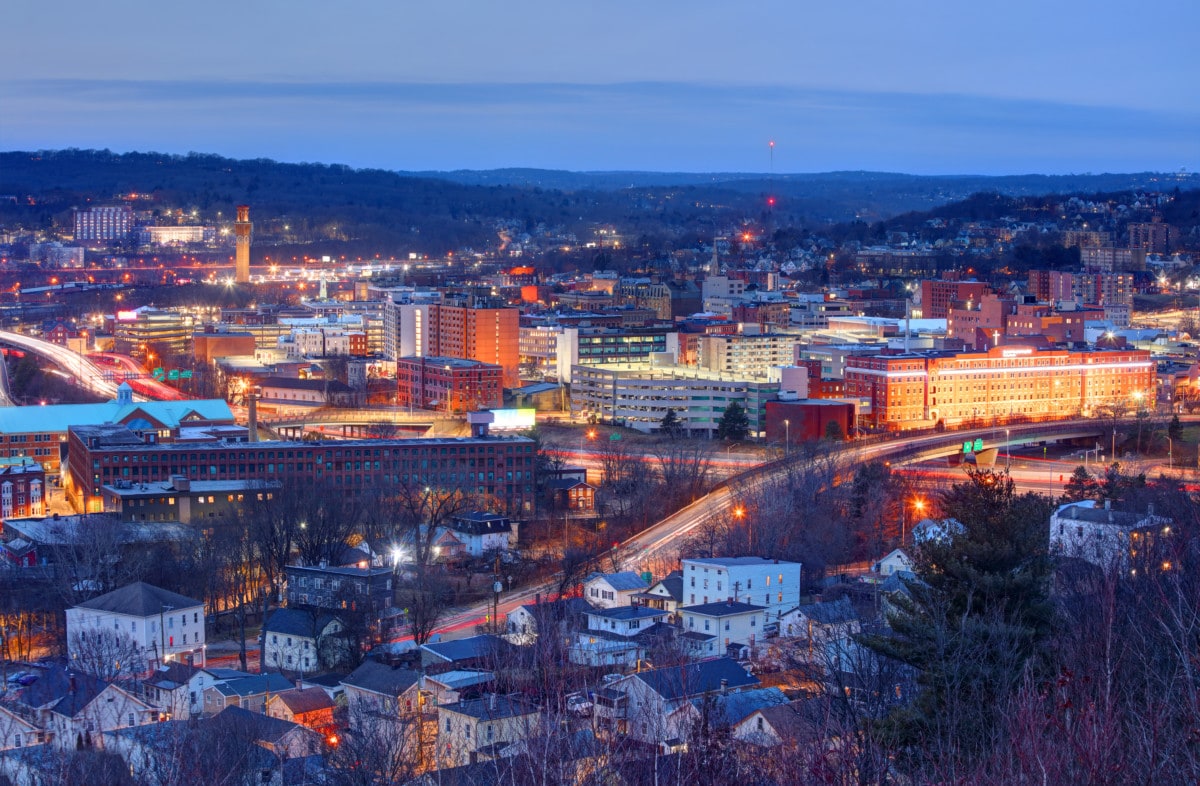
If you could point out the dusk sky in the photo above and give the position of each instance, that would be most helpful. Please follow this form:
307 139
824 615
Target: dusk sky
933 87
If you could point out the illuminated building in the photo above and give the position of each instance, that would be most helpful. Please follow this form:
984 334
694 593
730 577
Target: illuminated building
448 384
1007 383
103 223
938 296
242 229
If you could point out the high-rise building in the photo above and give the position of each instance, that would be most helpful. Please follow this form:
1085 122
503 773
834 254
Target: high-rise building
489 335
938 295
105 224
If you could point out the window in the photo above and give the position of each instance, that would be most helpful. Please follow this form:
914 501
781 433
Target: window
491 732
447 725
132 720
467 730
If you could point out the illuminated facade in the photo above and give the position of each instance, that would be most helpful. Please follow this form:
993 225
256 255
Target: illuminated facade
1008 383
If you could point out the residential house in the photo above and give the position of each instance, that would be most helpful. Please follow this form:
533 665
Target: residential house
282 738
178 689
335 589
73 709
139 623
724 710
19 727
894 561
574 495
466 727
311 708
1110 539
452 686
618 636
725 627
608 590
22 488
787 725
473 652
482 533
654 706
817 623
377 690
665 594
249 692
772 584
302 640
525 623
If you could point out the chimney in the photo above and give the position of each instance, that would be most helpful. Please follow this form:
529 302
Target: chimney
71 683
724 686
491 701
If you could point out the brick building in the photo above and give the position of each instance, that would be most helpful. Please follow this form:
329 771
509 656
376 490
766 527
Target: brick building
448 384
937 296
22 488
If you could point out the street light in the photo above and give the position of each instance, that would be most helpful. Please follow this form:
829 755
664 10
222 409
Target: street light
1007 451
919 506
787 436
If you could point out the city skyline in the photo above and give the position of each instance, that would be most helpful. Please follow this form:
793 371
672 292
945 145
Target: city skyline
1007 90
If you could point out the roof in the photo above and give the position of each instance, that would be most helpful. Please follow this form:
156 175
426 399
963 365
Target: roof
562 607
723 608
172 675
694 679
253 685
627 613
492 707
140 600
621 582
731 708
304 701
57 530
262 727
478 522
60 417
376 677
297 622
673 584
793 721
832 612
481 646
461 678
734 562
564 484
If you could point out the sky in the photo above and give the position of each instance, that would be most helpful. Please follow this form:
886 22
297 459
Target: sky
925 86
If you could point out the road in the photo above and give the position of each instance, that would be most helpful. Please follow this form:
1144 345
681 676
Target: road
89 375
661 540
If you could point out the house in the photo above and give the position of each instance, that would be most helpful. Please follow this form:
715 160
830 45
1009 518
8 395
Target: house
607 590
282 738
573 495
1107 538
665 594
617 636
138 623
73 709
725 710
483 533
334 589
22 488
376 689
177 689
772 584
817 623
788 725
713 629
525 623
466 727
452 686
474 652
932 530
654 706
896 560
302 640
311 708
19 727
249 692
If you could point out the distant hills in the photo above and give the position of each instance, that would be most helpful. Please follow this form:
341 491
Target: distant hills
337 208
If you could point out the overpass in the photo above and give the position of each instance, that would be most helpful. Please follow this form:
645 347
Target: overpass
87 374
357 423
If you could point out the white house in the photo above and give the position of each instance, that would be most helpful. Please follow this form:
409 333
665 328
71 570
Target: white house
607 590
178 689
817 623
710 628
772 584
896 560
615 636
781 724
73 709
1103 536
482 533
654 706
467 727
525 623
138 622
376 689
665 594
18 728
301 640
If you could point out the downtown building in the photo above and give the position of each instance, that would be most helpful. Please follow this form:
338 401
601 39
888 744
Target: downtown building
103 224
1003 384
503 469
488 335
448 384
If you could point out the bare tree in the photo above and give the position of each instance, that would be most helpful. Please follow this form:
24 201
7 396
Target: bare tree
107 653
425 601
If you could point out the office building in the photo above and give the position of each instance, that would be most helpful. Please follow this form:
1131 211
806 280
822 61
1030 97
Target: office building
448 384
103 224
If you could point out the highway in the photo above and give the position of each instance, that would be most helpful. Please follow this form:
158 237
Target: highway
89 375
661 541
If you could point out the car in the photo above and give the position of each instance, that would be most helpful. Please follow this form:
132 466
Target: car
28 679
579 704
609 679
17 676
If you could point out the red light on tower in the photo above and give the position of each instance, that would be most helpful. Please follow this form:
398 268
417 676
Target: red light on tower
770 201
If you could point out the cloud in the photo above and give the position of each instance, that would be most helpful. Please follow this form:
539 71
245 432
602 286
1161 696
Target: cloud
633 125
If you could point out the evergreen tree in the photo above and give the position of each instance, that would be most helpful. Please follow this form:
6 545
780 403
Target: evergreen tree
833 431
1175 429
977 615
1081 486
733 423
670 425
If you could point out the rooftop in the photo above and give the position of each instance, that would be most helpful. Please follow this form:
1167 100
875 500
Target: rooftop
736 562
492 707
627 613
696 679
60 417
140 600
623 581
376 677
723 608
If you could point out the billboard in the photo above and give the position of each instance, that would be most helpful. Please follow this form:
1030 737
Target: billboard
513 419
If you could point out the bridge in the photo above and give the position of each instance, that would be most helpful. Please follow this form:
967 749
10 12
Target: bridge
358 423
87 374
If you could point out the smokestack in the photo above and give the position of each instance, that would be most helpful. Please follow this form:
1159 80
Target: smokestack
253 415
242 229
